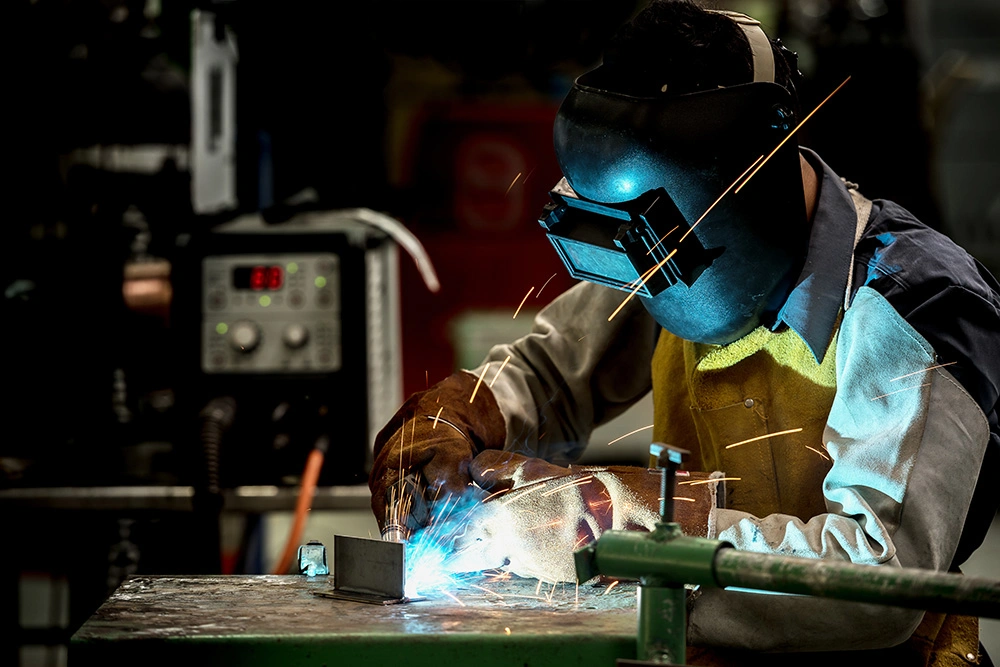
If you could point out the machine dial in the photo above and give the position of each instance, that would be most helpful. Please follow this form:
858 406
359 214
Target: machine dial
244 336
295 335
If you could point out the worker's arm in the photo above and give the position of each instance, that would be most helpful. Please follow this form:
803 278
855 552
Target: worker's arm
574 371
905 464
537 514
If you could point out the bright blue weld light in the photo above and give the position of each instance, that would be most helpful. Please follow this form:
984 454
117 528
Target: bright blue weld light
430 553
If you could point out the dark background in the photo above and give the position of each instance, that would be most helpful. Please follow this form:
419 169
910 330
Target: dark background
422 109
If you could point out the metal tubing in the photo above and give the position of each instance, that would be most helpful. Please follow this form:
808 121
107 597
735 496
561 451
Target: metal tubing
662 633
879 584
673 561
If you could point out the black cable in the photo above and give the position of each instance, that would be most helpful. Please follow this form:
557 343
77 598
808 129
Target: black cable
217 418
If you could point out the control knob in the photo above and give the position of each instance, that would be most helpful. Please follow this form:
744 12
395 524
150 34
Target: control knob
295 335
244 336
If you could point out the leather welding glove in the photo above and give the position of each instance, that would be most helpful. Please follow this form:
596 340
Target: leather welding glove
435 433
540 513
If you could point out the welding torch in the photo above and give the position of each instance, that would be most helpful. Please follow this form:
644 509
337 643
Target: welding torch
406 508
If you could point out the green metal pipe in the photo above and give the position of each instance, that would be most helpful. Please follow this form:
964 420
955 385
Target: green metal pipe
660 559
655 559
898 587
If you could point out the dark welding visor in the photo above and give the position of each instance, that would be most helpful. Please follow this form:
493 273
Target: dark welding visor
636 168
629 246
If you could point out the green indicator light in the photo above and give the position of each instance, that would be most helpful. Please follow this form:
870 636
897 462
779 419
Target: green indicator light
292 267
264 300
221 328
320 281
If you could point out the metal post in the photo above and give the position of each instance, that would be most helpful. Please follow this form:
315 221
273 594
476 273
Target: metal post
662 631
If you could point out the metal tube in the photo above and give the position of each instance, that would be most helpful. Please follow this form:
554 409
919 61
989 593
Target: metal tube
899 587
656 562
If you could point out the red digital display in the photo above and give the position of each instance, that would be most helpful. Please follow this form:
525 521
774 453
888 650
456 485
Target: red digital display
258 277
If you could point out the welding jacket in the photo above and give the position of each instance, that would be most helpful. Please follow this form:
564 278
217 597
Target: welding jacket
886 355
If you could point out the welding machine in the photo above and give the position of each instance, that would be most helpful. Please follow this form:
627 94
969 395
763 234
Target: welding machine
295 323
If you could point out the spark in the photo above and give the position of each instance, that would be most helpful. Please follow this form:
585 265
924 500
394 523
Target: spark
763 437
518 497
818 452
579 542
547 525
500 370
522 301
453 597
479 382
724 193
916 386
690 500
427 378
581 338
790 134
761 164
438 416
648 208
512 184
506 630
645 276
488 591
923 371
662 239
530 597
551 593
538 587
642 281
546 283
495 493
528 176
577 595
629 433
613 584
577 482
710 481
489 470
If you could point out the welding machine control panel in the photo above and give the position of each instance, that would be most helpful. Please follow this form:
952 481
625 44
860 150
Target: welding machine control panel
274 313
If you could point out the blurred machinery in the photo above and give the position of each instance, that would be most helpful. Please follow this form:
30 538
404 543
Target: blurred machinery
298 323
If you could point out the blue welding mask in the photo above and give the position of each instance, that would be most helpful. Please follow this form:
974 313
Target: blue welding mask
639 174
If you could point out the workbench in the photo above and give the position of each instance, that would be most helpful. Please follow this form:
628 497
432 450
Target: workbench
484 620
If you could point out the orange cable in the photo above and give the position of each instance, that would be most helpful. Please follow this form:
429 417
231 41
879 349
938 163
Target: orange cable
310 476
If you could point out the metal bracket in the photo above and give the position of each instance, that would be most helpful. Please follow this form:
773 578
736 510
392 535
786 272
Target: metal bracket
369 571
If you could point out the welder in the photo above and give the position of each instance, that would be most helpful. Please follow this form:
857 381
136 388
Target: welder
832 357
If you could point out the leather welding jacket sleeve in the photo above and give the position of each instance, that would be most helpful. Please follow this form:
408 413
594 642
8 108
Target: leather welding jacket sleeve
897 494
574 371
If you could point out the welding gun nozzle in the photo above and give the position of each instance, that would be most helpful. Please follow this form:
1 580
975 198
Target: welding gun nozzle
393 532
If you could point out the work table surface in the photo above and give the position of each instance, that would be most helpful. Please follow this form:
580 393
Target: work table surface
269 619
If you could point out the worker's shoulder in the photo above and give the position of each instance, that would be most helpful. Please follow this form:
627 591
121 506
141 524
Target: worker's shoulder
906 260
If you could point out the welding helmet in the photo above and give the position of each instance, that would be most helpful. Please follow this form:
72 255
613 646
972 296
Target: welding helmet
641 171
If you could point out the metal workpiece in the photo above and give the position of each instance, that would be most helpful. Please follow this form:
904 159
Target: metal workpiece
879 584
493 621
369 570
